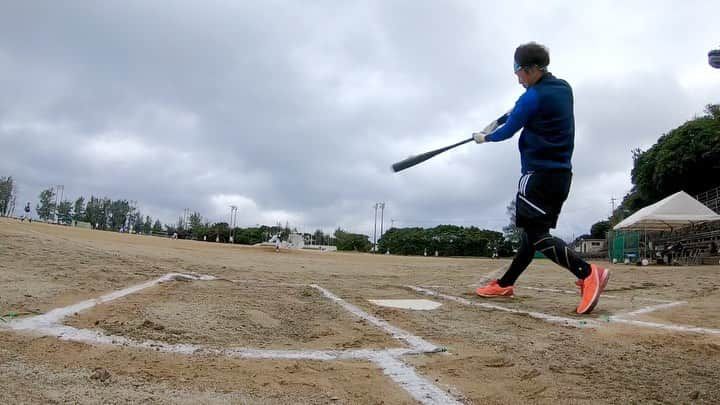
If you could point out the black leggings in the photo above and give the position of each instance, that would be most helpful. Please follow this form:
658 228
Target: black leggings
539 239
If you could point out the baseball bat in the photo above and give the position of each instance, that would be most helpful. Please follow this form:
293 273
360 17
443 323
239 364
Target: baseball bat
415 159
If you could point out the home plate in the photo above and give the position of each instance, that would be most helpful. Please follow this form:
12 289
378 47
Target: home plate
420 305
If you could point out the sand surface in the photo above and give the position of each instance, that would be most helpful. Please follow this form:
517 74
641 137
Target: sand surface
263 300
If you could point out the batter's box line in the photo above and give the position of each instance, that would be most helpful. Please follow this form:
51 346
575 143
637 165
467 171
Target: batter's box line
388 360
580 323
489 276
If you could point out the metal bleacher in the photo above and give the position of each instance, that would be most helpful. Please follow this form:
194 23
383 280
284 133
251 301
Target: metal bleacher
698 244
711 199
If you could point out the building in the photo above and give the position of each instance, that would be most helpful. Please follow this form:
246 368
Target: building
590 245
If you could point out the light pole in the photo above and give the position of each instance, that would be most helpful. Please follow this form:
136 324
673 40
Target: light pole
233 220
382 216
57 196
375 228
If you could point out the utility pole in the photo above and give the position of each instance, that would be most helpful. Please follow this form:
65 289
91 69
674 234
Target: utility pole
612 214
58 199
375 228
382 216
233 216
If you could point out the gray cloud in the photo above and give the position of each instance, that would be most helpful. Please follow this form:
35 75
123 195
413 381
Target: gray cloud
295 111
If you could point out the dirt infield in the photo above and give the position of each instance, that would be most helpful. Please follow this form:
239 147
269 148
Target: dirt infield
297 327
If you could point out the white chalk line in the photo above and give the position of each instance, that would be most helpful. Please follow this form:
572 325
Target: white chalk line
622 318
415 342
93 337
653 308
404 375
387 359
489 276
666 326
56 315
578 323
557 290
575 292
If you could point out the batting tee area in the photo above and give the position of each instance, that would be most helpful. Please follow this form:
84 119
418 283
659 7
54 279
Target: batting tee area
468 350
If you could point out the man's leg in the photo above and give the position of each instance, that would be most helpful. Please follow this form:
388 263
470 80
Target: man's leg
552 247
591 279
556 250
504 286
522 259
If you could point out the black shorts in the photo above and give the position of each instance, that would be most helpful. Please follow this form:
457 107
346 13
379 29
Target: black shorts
540 198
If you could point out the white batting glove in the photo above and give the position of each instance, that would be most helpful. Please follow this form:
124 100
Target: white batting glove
491 127
479 137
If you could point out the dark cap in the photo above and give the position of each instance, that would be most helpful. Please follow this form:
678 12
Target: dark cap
532 54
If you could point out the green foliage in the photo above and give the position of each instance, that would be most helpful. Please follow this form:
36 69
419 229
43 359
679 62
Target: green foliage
46 207
118 212
686 158
8 192
196 227
147 226
352 241
219 232
511 232
95 212
64 212
250 236
599 230
79 210
447 240
157 226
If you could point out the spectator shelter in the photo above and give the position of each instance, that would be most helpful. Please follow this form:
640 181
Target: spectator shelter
662 220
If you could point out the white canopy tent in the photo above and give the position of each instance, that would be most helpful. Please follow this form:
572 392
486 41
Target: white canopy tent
677 211
673 212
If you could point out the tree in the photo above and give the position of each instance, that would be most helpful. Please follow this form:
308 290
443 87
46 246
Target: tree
447 240
219 231
136 221
79 211
352 241
46 207
250 236
64 212
96 211
157 226
8 193
686 158
511 232
599 230
147 226
118 212
318 237
196 226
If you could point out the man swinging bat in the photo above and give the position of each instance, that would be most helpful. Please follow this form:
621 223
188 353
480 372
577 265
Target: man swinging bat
545 113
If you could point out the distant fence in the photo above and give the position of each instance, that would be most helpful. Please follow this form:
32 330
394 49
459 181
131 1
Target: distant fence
711 199
623 244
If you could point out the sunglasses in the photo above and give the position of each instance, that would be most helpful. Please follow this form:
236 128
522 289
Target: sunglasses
516 67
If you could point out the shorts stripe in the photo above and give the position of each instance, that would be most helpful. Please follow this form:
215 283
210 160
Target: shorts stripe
522 197
523 183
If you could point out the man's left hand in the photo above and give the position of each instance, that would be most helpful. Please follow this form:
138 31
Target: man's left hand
479 137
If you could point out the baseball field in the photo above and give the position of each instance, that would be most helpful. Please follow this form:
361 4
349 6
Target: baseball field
100 317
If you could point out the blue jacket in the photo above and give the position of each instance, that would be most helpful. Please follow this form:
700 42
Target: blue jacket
545 112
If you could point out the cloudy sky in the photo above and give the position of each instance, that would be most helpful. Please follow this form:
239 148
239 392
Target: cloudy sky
295 110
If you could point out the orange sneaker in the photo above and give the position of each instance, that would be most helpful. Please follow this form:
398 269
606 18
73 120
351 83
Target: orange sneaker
603 281
591 288
494 290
